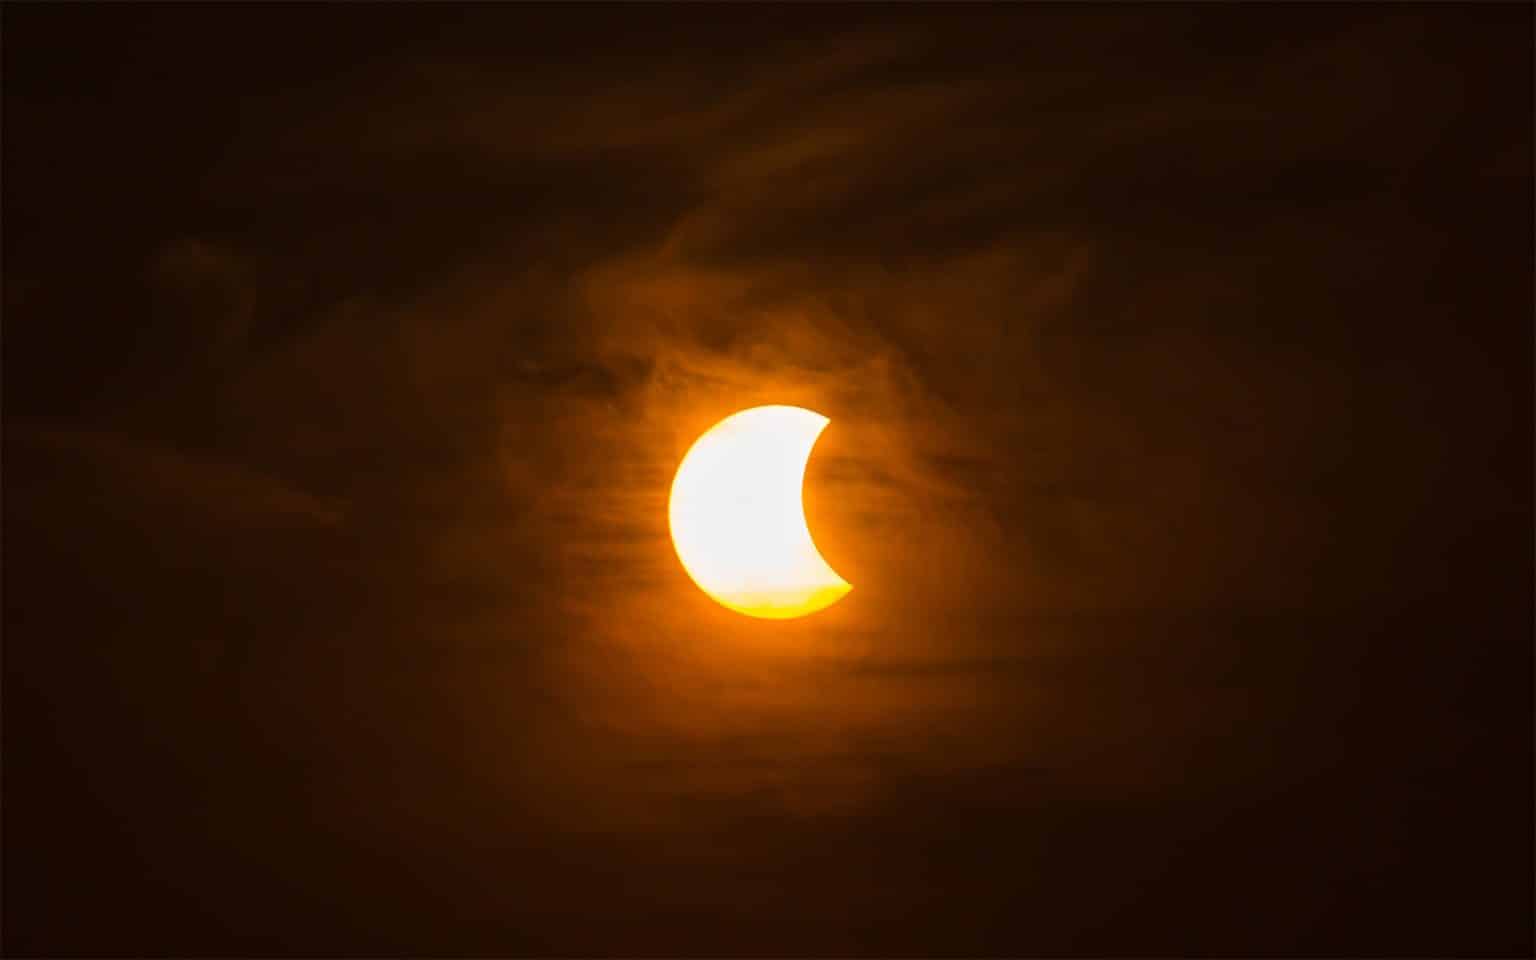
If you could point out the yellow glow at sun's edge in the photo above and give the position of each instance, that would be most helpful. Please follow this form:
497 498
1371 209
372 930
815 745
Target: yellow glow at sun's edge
737 520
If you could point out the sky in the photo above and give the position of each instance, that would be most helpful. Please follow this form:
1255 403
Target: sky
1178 364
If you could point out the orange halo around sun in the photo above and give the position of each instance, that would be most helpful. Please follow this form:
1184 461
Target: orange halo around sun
737 520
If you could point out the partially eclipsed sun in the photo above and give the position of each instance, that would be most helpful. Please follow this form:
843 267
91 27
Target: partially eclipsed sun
737 520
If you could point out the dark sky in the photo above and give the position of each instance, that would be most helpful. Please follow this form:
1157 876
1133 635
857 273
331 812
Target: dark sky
1179 363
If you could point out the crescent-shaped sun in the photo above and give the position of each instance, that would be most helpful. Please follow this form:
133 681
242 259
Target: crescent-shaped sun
737 520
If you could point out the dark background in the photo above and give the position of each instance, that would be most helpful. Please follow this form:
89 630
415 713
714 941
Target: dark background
1179 367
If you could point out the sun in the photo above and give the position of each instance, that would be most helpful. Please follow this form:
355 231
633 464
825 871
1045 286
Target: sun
737 520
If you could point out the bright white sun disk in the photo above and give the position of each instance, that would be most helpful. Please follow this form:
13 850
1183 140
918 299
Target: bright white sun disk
737 519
